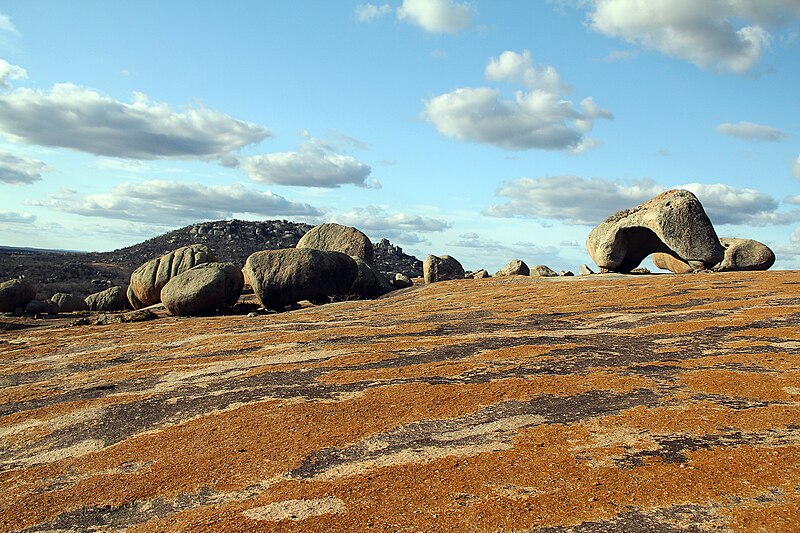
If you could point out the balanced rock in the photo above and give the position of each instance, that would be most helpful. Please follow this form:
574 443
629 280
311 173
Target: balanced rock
401 281
148 280
515 267
111 299
16 293
369 282
203 288
543 271
68 303
284 277
332 237
673 222
441 268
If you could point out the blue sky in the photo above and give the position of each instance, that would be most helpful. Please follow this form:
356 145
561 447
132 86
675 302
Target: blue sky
486 130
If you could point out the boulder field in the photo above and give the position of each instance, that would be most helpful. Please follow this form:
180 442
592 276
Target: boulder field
587 403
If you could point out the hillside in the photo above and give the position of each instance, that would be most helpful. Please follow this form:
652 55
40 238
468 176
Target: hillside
594 403
232 240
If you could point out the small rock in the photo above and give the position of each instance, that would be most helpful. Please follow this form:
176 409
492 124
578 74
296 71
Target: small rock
566 273
515 267
443 268
543 271
401 281
585 271
67 303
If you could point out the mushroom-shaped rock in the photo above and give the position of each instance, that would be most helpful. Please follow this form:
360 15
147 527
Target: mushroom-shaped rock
515 267
745 254
202 289
68 303
543 271
111 299
332 237
369 283
148 280
673 222
16 293
284 277
441 268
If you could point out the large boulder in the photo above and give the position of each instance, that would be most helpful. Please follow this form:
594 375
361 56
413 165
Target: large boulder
202 289
68 303
673 222
133 301
543 271
15 294
441 268
284 277
515 267
740 254
337 238
369 283
41 307
148 280
109 300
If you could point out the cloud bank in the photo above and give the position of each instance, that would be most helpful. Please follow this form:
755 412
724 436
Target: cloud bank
171 202
81 119
540 118
725 35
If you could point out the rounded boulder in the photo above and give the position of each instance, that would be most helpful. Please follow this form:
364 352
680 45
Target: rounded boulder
148 280
203 289
111 299
332 237
68 303
15 294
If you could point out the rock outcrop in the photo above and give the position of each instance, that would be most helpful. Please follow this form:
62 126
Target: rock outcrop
543 271
674 223
515 267
148 280
68 303
441 268
109 300
202 289
15 294
284 277
332 237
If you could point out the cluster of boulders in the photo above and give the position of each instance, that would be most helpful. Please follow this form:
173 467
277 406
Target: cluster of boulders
18 296
443 268
675 229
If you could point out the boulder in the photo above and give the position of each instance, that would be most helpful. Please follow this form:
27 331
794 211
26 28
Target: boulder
369 282
515 267
585 270
740 254
111 299
401 281
441 268
133 301
479 274
566 273
543 271
202 289
16 293
38 307
67 303
337 238
673 222
148 280
284 277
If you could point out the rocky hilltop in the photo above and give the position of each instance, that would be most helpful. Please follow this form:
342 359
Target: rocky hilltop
592 403
231 240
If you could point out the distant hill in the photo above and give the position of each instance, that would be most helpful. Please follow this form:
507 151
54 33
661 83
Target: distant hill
54 271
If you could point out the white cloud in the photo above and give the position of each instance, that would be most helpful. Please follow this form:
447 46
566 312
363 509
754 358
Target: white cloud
314 164
164 202
540 118
12 217
717 34
493 253
14 169
82 119
729 205
436 16
571 199
371 12
10 72
750 131
399 227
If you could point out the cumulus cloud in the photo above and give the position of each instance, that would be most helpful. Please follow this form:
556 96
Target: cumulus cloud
400 227
82 119
750 131
12 217
371 12
170 202
539 118
571 199
14 169
727 35
314 164
436 16
10 72
729 205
